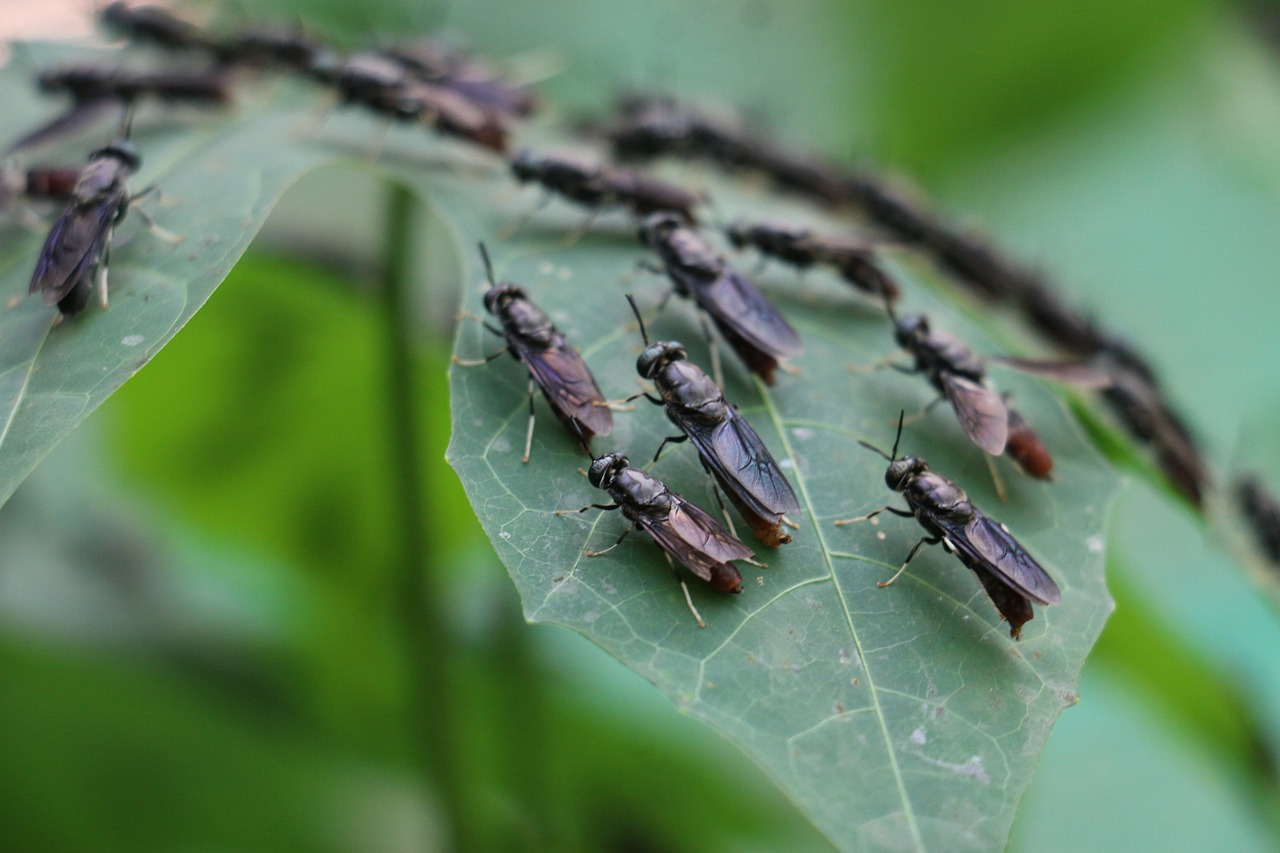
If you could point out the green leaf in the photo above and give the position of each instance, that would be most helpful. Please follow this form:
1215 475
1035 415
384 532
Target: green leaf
898 718
219 175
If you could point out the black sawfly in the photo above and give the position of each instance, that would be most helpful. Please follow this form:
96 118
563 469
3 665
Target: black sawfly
854 260
758 333
1010 575
597 186
684 532
555 367
78 249
729 448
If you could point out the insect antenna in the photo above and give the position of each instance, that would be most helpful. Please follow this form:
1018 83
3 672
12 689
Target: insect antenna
639 319
896 439
488 265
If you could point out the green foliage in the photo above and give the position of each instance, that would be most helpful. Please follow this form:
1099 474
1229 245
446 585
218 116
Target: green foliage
276 707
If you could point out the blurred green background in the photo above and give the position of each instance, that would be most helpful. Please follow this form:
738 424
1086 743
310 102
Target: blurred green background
202 644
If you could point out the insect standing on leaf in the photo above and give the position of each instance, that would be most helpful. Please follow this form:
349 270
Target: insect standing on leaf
684 532
78 249
1011 576
596 186
446 65
958 374
554 366
854 260
730 450
758 333
154 25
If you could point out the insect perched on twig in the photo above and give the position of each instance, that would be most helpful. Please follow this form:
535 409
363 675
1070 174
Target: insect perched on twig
684 532
78 249
555 367
750 323
1011 576
730 450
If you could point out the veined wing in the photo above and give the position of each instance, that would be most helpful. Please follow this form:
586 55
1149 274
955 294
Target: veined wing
737 304
567 383
734 452
982 414
73 246
987 543
694 538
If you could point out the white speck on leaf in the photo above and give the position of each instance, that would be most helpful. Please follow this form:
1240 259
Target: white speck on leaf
802 433
132 340
971 769
504 535
918 737
1094 544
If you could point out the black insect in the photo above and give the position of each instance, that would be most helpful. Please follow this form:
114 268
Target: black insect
270 47
958 375
597 186
78 248
653 125
1262 512
154 25
384 86
750 323
97 92
684 532
1011 576
554 366
728 447
1143 410
87 83
855 260
445 65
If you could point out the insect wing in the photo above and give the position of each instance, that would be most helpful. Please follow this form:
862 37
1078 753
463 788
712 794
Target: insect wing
1067 372
694 538
738 306
567 383
73 246
982 414
77 118
987 543
737 456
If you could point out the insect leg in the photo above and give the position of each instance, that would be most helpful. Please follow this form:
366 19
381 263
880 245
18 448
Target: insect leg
573 238
910 556
890 360
511 230
671 439
476 362
152 226
910 419
528 436
893 509
684 587
616 543
715 351
103 264
728 519
996 478
605 507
